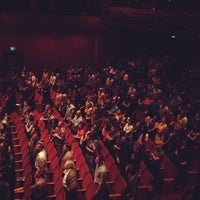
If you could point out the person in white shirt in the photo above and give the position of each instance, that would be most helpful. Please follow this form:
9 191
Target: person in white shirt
52 79
41 157
100 178
128 127
70 110
58 137
76 120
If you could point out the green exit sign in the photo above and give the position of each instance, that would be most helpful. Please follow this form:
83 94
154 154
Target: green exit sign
12 48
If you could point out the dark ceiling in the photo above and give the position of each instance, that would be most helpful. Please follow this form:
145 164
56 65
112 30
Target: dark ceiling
164 17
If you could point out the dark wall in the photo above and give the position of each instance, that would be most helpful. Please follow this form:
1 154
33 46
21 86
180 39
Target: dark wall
51 50
57 41
50 41
126 43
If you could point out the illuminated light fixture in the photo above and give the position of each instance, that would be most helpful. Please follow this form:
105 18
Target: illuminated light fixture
173 36
12 48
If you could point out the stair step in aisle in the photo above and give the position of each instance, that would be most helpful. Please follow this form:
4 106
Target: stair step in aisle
23 175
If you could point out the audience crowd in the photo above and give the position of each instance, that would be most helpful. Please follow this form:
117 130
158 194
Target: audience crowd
125 104
6 159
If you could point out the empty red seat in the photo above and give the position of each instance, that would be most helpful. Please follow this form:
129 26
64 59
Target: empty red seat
45 136
113 173
58 185
146 178
109 162
77 152
22 139
80 161
90 192
169 169
61 194
74 145
27 170
83 170
105 152
51 154
54 163
57 174
70 138
41 125
118 188
87 180
27 187
85 183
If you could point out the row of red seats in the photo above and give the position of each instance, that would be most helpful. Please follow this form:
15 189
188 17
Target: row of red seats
84 174
170 171
87 187
117 184
54 173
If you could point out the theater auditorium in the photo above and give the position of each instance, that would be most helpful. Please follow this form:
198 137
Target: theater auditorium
99 99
